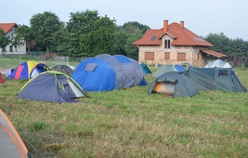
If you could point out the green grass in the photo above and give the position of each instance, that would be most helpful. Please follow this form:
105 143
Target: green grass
131 123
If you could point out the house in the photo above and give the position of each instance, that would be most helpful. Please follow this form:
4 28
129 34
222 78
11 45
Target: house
174 44
10 31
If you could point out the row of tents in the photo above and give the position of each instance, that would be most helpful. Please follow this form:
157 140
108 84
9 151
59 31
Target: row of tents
105 73
216 75
62 84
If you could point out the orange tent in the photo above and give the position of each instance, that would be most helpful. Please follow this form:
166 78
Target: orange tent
11 144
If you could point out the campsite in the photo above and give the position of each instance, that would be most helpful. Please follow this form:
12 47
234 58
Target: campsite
129 122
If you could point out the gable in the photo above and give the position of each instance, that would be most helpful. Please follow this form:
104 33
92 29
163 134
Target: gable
6 27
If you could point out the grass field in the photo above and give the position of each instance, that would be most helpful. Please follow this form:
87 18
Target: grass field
130 123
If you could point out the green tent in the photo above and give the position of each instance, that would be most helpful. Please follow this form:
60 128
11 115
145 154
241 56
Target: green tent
173 84
145 69
164 69
215 79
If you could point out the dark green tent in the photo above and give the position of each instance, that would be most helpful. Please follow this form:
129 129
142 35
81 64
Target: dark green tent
215 79
145 68
173 84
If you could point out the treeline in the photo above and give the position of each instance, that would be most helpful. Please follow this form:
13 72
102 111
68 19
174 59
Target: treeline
88 34
85 34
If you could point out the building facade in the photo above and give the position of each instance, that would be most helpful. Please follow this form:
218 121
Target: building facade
174 44
10 31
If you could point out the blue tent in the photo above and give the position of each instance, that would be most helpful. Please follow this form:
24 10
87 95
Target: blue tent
105 73
94 74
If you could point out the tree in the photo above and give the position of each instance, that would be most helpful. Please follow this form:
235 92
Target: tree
4 40
80 23
24 33
44 26
101 38
127 34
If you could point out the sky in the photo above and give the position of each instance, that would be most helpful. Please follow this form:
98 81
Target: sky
200 16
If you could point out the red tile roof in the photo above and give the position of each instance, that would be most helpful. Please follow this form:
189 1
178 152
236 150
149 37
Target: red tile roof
213 53
6 27
181 35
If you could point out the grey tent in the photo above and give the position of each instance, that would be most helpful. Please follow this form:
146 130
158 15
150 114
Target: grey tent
121 77
218 63
215 79
163 69
63 68
51 86
173 84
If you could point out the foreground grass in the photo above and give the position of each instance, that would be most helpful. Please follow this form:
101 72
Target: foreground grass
131 123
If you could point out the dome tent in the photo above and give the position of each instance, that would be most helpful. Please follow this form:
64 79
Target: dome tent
173 84
163 69
94 74
218 63
117 67
28 70
105 73
51 86
11 144
63 68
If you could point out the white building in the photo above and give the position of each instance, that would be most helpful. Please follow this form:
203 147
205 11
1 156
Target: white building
10 31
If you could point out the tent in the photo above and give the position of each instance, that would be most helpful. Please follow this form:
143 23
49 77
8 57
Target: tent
11 144
215 79
94 74
51 86
28 70
173 84
163 69
105 73
218 63
145 68
63 68
1 78
121 77
186 65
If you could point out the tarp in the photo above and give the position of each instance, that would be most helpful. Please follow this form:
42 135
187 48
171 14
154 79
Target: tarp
215 79
51 86
11 144
28 70
173 84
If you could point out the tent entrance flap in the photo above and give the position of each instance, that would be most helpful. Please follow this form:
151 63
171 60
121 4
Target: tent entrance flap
164 87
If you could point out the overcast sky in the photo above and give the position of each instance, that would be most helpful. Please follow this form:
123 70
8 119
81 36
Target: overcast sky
200 16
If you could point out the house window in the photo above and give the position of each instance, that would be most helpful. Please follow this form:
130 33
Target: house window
11 36
149 55
181 56
167 56
11 48
167 44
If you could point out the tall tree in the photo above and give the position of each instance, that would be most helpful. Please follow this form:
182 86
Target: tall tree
101 38
127 34
45 25
80 23
4 40
24 33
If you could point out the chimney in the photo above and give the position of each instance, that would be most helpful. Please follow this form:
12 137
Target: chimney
182 24
165 29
